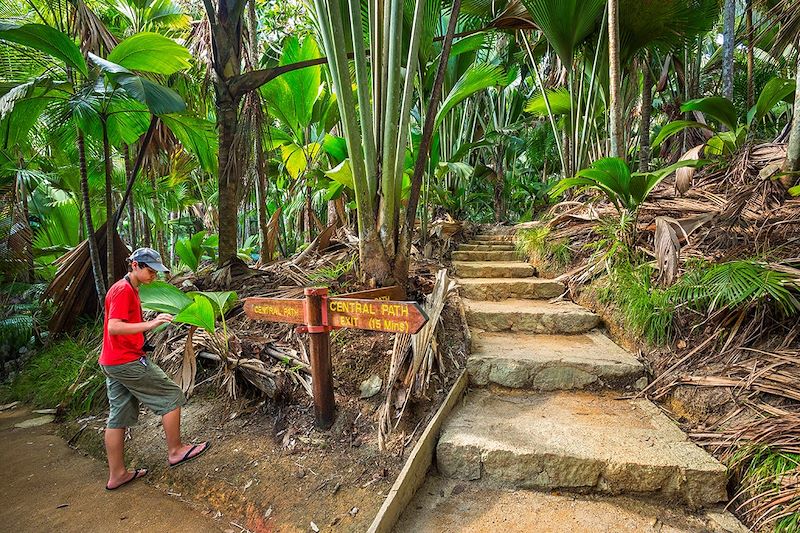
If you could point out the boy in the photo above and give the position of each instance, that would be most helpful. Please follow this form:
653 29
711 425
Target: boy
131 377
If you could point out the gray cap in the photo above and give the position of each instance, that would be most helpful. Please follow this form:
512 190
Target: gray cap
149 257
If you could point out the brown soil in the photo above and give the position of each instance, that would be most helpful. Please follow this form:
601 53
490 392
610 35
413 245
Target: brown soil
47 486
269 469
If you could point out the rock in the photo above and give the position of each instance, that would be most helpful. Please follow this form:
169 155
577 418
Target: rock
35 422
530 316
504 288
371 386
550 362
577 441
493 269
641 383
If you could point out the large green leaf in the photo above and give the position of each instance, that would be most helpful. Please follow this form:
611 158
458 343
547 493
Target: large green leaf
197 135
565 23
341 174
47 40
163 297
199 313
559 100
717 107
296 158
159 100
774 91
677 126
151 52
664 25
478 76
290 97
222 300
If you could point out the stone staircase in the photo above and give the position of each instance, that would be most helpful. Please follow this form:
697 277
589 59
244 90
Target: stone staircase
544 413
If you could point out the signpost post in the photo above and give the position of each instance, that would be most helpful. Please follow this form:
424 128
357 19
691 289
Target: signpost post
318 314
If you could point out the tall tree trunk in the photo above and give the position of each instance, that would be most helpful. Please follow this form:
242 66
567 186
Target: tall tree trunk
792 162
407 232
109 167
308 216
258 160
617 143
750 60
22 193
226 37
728 41
94 254
647 109
126 153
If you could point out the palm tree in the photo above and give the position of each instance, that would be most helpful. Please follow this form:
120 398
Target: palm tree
728 43
615 106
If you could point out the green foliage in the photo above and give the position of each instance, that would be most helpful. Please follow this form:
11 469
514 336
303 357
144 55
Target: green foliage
194 249
535 244
151 52
47 40
63 373
565 23
612 177
646 309
335 271
478 77
199 313
163 297
736 283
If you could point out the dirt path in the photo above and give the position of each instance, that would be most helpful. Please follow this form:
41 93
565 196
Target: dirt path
47 486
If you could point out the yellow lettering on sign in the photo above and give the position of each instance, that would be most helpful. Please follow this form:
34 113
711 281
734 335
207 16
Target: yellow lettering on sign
275 310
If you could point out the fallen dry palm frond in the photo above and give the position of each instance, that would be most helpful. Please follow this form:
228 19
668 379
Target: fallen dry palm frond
417 369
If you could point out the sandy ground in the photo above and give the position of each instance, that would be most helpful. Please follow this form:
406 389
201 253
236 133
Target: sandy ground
47 486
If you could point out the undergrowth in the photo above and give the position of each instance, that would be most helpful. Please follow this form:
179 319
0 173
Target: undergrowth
646 309
546 253
767 475
63 373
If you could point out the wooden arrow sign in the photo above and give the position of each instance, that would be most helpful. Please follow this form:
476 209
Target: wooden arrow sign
376 315
276 309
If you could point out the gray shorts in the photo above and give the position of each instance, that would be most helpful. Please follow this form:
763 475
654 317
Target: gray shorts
139 381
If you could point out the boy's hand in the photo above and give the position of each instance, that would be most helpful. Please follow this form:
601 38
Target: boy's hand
160 320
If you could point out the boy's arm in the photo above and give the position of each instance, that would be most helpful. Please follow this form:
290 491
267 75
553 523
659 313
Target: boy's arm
117 326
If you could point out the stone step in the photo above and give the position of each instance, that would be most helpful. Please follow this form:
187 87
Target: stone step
455 506
491 237
493 269
486 247
552 362
498 255
578 441
532 316
502 288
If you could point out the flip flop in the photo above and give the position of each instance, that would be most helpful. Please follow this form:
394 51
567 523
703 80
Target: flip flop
188 456
138 473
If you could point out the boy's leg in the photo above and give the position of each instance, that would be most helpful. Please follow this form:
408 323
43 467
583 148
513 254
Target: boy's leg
124 411
172 428
115 451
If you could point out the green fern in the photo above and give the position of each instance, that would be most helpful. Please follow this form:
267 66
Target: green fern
15 330
730 285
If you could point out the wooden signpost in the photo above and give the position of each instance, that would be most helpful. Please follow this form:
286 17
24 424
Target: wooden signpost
318 314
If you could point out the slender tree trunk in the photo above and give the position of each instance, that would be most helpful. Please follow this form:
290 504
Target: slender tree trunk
647 109
229 179
617 143
260 164
792 162
94 255
109 167
750 59
131 212
728 41
160 241
22 192
407 232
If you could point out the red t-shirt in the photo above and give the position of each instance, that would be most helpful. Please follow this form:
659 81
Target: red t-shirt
122 302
